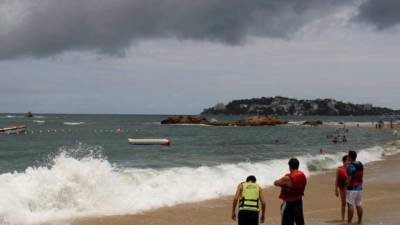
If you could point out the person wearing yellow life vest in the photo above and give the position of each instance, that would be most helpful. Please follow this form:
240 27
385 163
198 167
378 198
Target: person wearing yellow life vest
292 191
249 195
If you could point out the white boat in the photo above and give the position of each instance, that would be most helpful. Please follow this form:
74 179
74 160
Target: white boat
149 141
13 130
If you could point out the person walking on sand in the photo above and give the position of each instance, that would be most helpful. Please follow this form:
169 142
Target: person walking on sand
249 194
292 191
354 181
340 183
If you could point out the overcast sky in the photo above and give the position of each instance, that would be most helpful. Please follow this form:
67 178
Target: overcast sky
180 56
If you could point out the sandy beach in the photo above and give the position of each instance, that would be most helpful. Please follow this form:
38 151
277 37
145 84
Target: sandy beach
381 202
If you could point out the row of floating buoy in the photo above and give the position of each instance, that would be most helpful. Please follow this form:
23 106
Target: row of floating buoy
111 131
69 130
132 141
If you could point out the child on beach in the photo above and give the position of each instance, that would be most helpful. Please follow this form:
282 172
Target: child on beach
340 183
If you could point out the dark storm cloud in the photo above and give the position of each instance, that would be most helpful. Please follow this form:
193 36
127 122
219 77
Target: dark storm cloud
49 27
381 13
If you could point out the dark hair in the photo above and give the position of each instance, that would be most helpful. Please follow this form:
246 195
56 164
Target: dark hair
294 163
344 158
251 178
352 155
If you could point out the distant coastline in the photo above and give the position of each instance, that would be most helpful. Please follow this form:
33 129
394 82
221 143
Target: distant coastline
283 106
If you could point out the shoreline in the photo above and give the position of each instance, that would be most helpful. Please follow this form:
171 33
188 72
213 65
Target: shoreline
320 204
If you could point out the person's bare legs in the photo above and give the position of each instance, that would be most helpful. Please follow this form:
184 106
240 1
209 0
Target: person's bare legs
350 213
359 214
343 202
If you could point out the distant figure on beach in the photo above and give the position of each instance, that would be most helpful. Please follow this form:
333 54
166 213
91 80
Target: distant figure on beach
321 151
344 139
355 173
292 191
340 183
249 194
276 141
335 140
381 124
395 133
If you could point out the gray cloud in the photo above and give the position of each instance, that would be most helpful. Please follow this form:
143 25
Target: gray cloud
381 13
49 27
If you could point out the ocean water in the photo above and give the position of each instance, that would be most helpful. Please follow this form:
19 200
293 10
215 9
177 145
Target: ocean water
82 165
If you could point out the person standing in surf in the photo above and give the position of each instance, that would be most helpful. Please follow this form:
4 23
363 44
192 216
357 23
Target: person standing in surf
340 183
292 190
249 194
354 188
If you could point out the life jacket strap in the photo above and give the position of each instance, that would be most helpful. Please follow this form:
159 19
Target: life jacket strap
244 200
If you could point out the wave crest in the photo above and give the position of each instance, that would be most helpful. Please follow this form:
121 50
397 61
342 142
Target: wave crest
79 181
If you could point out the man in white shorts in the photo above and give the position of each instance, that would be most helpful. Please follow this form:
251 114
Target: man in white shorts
355 173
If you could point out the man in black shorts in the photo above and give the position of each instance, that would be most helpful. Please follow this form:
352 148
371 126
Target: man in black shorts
249 194
292 191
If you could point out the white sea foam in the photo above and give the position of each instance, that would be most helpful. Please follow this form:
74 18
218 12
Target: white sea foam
88 186
39 121
73 123
296 123
8 116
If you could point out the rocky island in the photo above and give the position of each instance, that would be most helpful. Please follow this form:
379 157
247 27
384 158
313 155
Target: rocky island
282 106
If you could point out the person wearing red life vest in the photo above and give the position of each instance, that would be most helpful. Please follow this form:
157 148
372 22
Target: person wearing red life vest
354 187
340 183
292 190
249 195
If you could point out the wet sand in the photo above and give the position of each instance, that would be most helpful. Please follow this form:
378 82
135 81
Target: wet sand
381 201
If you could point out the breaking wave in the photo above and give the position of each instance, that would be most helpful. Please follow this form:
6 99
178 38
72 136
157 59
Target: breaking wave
80 182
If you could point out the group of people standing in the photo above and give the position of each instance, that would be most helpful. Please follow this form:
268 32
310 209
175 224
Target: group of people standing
251 200
348 185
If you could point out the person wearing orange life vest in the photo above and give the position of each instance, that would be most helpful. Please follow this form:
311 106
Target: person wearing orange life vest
249 194
340 183
355 173
292 190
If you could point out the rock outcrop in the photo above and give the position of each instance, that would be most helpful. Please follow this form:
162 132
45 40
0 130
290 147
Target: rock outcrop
185 120
260 121
313 122
252 121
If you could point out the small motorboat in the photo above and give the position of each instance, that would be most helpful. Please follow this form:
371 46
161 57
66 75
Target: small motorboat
13 130
149 141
